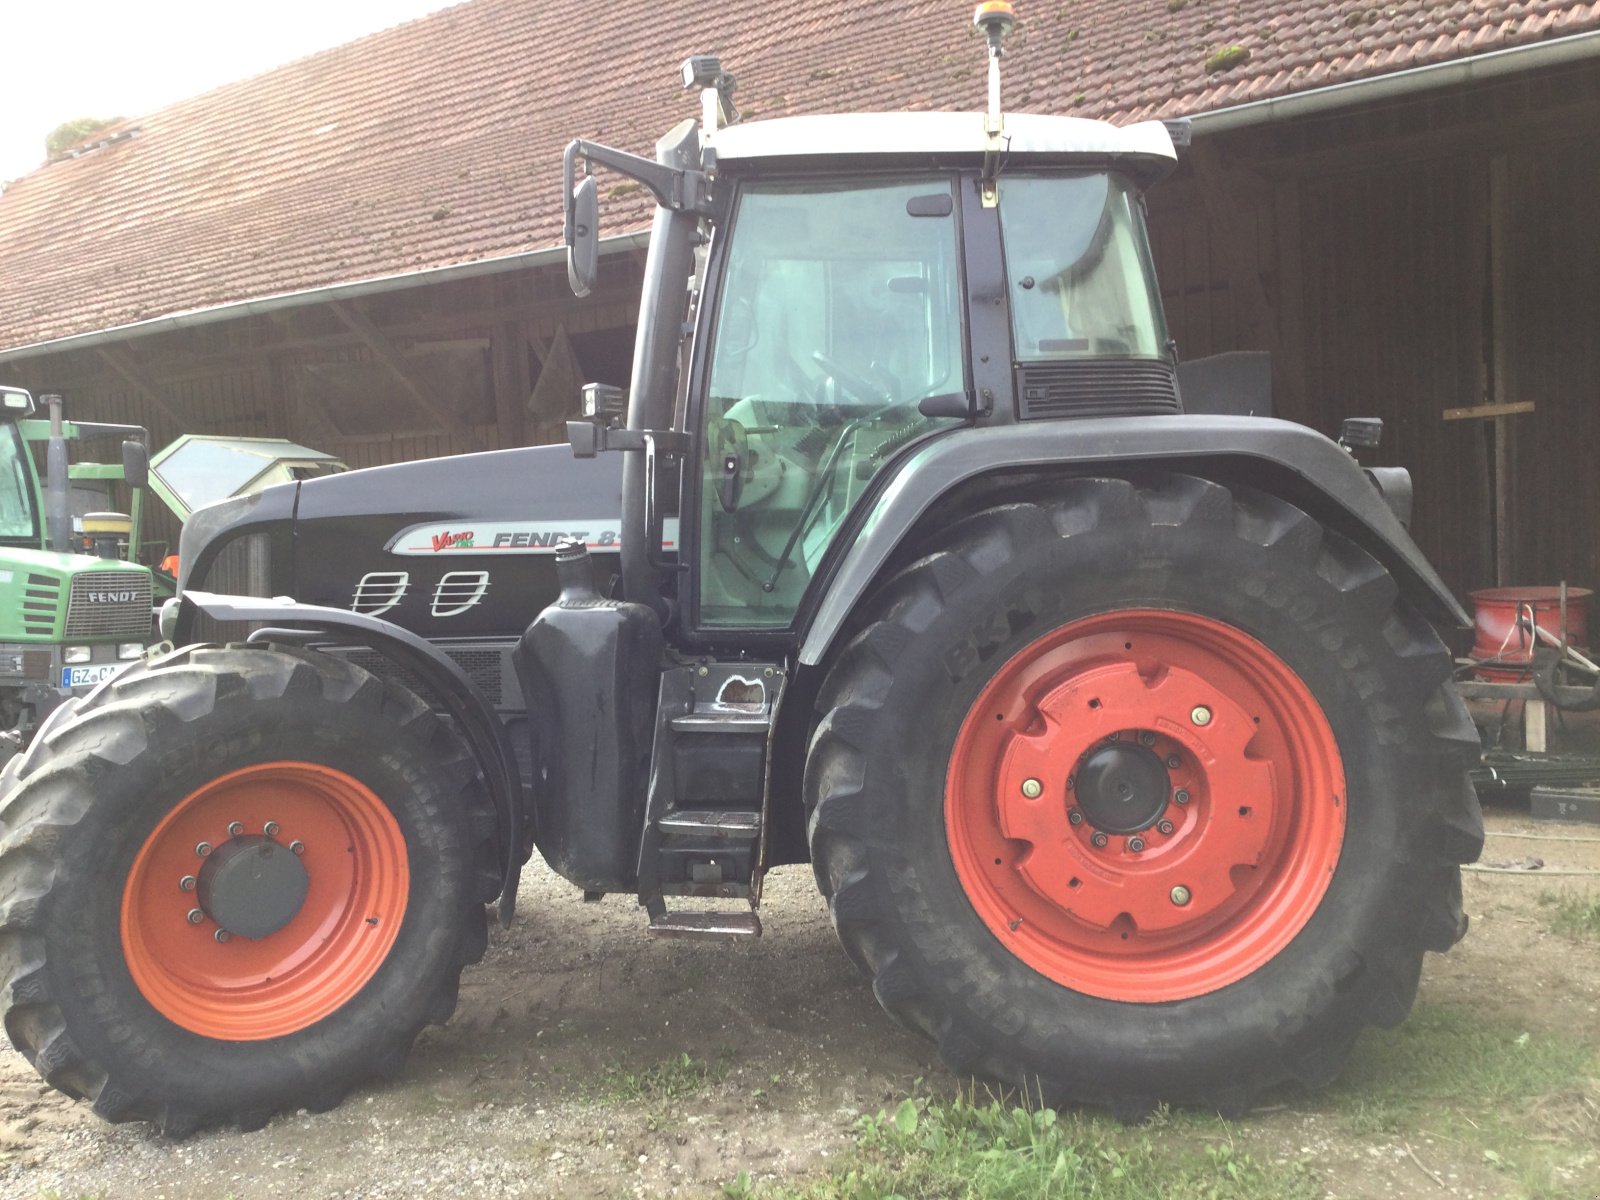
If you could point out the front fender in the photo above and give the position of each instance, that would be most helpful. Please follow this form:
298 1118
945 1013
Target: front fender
451 687
1292 461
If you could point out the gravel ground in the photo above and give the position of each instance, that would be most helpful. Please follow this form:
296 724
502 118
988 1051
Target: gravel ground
562 1074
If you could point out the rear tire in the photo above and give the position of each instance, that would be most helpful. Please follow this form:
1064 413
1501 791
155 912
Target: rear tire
122 870
1192 953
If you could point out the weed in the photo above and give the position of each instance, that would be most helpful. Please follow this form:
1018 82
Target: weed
964 1150
669 1080
1573 916
1449 1054
1525 1101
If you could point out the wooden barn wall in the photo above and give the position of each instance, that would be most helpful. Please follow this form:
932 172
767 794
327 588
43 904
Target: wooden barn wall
1404 262
1553 360
472 350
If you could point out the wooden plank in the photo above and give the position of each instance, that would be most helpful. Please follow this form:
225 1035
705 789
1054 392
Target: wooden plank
1290 382
389 356
1233 226
1500 322
1481 411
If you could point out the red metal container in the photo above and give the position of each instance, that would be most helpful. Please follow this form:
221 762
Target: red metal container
1502 646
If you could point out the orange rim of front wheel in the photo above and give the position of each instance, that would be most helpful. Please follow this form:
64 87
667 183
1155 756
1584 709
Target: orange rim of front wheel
1145 805
320 835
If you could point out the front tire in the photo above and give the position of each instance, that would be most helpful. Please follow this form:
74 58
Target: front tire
1143 792
237 882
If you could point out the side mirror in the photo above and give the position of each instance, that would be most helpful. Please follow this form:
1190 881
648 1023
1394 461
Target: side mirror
583 236
135 463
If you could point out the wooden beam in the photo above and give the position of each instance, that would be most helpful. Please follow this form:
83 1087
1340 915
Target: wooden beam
1480 411
508 353
388 355
123 365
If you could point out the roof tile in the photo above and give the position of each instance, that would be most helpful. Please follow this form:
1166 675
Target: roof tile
437 142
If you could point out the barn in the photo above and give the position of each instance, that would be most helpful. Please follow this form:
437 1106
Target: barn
358 250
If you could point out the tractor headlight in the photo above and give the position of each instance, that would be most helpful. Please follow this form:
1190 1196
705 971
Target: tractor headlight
130 650
75 654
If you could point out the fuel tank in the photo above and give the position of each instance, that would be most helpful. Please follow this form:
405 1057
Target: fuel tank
589 667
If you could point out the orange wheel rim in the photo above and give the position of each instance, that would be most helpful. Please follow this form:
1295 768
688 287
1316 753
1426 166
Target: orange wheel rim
310 831
1145 805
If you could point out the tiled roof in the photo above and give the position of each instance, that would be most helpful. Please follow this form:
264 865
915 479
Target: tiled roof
438 142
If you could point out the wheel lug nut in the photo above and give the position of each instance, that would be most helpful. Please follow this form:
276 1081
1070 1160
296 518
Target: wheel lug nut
297 847
1180 895
1099 841
1074 816
188 882
1181 796
1032 789
1135 844
1165 827
270 829
1072 782
1200 715
203 849
1173 762
196 916
235 828
1115 737
222 935
1147 738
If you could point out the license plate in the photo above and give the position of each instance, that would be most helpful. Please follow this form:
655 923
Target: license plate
72 677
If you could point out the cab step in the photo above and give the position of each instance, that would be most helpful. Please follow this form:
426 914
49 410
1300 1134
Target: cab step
713 925
718 823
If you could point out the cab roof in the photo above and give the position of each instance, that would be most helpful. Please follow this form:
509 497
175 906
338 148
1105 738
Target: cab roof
1145 148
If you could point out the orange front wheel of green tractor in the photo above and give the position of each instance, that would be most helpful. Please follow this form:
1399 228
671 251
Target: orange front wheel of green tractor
1145 805
264 901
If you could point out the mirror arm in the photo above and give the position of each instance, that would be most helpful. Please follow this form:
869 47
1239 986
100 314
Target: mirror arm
674 188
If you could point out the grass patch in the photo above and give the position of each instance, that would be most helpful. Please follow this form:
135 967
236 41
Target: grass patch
1573 916
1449 1054
963 1150
1526 1105
669 1080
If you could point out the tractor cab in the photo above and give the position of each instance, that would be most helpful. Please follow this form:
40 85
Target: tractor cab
859 284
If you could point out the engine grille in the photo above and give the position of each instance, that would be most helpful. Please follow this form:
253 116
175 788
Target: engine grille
109 604
486 666
41 601
242 568
1121 388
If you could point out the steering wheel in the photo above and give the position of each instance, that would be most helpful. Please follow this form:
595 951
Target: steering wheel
868 391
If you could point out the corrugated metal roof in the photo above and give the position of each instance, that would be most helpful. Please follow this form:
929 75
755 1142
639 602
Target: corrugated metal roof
438 142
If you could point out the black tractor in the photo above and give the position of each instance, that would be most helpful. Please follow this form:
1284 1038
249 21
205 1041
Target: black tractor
1116 729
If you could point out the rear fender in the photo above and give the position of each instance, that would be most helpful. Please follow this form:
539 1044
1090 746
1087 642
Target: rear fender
449 684
1290 461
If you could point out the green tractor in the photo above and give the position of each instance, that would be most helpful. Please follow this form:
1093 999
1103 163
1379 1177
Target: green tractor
1115 726
75 609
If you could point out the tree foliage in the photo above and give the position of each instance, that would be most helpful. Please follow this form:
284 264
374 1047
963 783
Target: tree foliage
68 134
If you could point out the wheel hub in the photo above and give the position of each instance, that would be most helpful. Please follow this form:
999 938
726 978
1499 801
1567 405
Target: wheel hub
1145 805
1122 788
252 886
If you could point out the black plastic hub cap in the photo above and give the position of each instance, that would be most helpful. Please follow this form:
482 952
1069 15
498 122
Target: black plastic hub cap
252 886
1122 788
